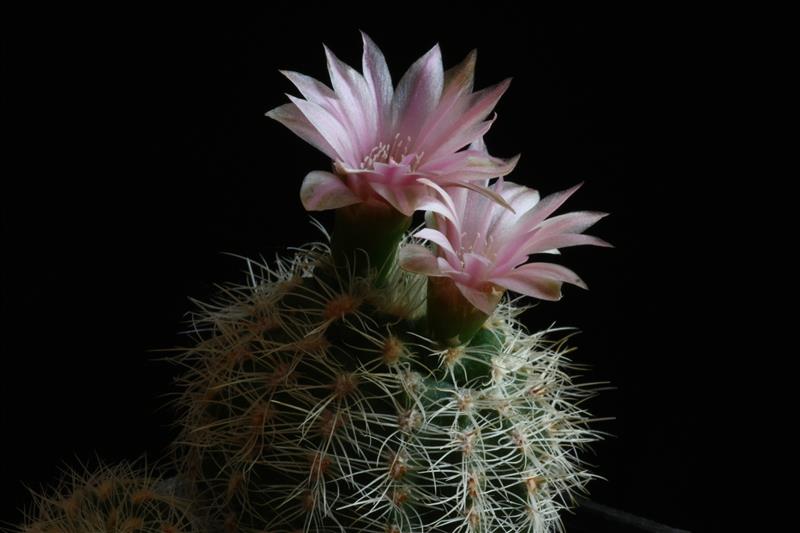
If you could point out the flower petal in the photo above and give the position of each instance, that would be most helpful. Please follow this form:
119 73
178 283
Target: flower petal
562 240
573 222
290 116
550 271
451 136
438 238
486 301
544 209
521 199
530 284
468 165
443 204
418 93
357 104
458 81
419 259
312 90
331 129
323 190
379 82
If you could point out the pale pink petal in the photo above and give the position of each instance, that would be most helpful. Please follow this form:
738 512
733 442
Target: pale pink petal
574 222
452 271
479 105
530 285
484 192
545 208
564 240
550 271
438 238
323 190
394 196
330 128
418 93
476 266
312 90
416 258
478 210
431 207
468 165
485 301
457 82
290 116
379 81
397 185
521 199
442 203
357 102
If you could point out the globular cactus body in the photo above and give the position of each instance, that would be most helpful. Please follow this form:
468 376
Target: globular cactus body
123 498
312 402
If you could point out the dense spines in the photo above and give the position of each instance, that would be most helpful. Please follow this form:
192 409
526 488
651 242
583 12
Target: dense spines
115 499
312 402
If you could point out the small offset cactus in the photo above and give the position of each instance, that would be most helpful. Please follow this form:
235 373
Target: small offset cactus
312 405
123 498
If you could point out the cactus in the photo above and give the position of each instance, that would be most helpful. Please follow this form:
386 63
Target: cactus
311 403
124 498
380 384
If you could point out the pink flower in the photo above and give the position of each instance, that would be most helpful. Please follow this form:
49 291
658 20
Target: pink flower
483 247
388 145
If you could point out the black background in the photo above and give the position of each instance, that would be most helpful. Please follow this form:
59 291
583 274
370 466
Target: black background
139 153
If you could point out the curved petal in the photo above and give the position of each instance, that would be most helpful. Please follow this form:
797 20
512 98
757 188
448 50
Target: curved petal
458 81
356 99
438 238
312 90
521 199
419 259
544 209
550 271
530 285
573 222
322 190
418 93
379 82
290 116
563 240
331 129
477 107
468 165
486 301
443 204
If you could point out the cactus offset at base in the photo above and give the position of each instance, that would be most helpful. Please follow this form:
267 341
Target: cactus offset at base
116 499
313 403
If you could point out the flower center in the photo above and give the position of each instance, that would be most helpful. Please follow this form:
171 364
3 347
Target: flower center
393 153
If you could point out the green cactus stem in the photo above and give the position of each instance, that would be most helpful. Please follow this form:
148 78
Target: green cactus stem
312 402
366 237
